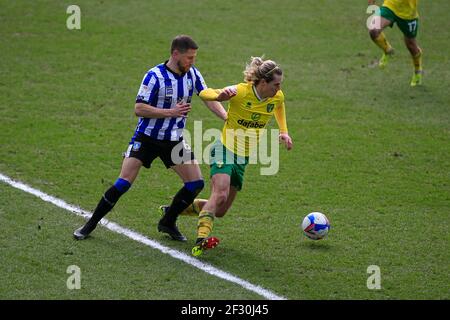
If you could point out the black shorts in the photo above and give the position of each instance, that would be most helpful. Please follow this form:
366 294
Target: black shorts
171 153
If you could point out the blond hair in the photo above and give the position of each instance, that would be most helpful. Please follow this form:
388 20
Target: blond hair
259 69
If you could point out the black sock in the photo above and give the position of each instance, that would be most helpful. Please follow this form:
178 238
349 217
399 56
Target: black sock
181 201
105 205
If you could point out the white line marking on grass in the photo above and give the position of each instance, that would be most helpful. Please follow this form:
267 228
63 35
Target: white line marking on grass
143 239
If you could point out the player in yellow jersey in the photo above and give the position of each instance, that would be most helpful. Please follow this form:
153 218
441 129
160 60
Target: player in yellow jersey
251 106
405 14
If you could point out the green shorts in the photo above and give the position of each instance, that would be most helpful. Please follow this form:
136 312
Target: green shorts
408 27
224 161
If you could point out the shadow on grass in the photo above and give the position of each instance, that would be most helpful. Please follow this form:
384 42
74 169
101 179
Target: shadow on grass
318 245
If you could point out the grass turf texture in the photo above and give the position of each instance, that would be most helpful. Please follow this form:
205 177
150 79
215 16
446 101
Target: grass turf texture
369 151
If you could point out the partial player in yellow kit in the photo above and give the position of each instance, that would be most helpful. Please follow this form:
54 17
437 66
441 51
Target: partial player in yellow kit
405 14
405 9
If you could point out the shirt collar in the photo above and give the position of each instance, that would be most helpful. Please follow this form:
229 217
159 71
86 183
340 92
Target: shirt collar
177 75
256 94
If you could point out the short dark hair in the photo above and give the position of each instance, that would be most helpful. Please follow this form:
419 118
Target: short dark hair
183 43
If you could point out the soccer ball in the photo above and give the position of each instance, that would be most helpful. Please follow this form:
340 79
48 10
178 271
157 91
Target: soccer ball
315 225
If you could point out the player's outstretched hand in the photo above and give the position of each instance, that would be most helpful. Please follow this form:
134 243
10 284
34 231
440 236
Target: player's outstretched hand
286 140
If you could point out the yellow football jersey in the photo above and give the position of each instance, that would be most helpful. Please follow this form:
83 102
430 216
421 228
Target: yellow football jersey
247 117
405 9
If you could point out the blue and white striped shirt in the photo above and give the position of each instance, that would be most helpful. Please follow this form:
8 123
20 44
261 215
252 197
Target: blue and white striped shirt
161 88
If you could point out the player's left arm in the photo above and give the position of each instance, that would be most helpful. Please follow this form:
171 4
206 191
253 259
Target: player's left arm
217 108
202 89
280 117
211 98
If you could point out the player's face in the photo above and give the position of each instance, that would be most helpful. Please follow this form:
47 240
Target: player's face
271 88
186 60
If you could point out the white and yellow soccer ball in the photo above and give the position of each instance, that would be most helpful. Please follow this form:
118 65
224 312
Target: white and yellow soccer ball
315 226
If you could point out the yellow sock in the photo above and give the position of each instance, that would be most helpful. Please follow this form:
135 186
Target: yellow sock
205 224
382 42
417 61
194 209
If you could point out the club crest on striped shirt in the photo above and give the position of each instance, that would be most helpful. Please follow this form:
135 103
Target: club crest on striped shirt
136 145
189 84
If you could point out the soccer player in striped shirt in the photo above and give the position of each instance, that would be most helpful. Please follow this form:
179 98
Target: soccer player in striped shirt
252 105
162 104
405 14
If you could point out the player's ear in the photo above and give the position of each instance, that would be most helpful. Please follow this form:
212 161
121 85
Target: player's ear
175 53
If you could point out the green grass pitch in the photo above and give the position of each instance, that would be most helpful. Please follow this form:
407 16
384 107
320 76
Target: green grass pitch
370 152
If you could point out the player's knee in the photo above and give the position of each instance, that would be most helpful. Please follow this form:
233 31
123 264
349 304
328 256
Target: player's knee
374 33
221 197
122 185
412 49
412 46
195 186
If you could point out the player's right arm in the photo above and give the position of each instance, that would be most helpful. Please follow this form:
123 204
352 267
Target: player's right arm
212 97
224 94
147 111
